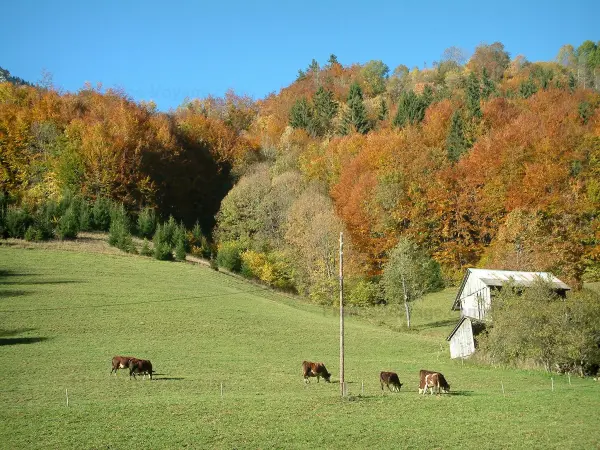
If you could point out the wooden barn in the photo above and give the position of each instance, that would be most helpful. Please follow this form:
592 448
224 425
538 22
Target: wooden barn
475 297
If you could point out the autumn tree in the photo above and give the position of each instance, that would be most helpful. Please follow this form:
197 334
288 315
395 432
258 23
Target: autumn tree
493 57
375 74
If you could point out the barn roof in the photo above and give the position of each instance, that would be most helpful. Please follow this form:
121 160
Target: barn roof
498 278
460 322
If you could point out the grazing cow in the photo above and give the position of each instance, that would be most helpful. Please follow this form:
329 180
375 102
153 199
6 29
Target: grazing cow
120 362
388 378
431 380
312 369
140 366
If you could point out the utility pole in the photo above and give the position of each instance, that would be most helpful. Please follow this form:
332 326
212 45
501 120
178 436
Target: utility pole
342 383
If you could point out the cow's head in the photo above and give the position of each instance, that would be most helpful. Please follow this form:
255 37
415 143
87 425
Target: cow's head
327 376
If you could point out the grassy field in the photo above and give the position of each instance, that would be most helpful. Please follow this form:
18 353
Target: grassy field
64 314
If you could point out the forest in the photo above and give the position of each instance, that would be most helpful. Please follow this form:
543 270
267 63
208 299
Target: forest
489 161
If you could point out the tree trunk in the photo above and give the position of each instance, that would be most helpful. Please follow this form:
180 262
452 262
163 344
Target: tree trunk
406 306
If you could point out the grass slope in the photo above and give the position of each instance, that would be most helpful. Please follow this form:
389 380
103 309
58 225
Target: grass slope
64 314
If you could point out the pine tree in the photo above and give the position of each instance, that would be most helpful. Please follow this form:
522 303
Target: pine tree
411 109
473 96
383 109
456 143
527 88
324 110
572 82
355 116
301 114
487 85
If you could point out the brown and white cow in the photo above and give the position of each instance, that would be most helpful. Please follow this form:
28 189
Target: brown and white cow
140 366
120 362
388 378
314 369
432 380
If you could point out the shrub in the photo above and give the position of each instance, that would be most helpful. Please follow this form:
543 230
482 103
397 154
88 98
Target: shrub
200 246
17 221
33 234
101 214
45 220
163 251
229 256
146 251
68 224
119 234
365 293
146 223
85 217
180 249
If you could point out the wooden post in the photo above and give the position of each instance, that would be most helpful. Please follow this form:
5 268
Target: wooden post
502 384
221 390
67 394
569 375
552 380
362 387
342 381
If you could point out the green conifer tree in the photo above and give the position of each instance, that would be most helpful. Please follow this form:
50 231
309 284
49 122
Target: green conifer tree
473 96
411 109
383 109
488 88
456 142
301 114
355 116
324 110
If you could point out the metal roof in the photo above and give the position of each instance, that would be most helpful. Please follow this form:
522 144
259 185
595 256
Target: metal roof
497 278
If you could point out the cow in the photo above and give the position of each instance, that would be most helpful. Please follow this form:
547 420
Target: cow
140 366
120 362
431 380
388 378
312 369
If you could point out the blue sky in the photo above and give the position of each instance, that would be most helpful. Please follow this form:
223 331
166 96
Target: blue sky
166 51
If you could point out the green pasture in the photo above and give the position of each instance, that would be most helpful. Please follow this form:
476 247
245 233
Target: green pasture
64 314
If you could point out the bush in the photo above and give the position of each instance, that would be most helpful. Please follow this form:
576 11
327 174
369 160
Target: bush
270 269
536 326
68 224
229 256
85 217
365 293
3 208
200 246
163 251
146 251
119 234
17 221
33 234
146 223
180 249
45 220
101 214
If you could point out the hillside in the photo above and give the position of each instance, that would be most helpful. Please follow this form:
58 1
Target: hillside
64 314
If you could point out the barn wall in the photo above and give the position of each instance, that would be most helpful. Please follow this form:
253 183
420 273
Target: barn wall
475 298
462 343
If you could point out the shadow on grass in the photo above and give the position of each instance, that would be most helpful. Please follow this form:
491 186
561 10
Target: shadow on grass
7 283
461 393
14 293
4 333
21 340
155 378
437 324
